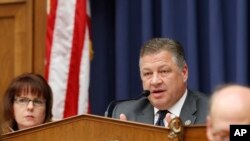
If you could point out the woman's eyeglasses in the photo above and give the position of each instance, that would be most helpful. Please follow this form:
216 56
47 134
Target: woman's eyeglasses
25 101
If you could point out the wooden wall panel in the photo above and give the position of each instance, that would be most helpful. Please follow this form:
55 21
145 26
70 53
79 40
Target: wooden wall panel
16 39
6 51
39 36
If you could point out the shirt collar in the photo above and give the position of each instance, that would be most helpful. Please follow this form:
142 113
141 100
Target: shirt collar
176 108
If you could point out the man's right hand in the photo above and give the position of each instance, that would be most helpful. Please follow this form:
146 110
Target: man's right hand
123 117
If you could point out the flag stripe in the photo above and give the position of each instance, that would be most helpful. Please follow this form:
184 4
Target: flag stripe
61 54
83 106
50 31
68 57
71 103
84 75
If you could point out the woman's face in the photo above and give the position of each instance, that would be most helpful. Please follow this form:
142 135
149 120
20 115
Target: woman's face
29 110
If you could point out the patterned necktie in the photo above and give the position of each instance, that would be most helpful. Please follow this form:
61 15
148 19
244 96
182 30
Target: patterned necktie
162 114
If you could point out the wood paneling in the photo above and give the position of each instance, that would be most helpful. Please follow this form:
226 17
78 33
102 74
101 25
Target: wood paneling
11 1
39 36
6 51
97 128
22 38
15 40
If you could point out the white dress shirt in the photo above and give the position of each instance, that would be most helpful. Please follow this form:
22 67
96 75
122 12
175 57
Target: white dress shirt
175 110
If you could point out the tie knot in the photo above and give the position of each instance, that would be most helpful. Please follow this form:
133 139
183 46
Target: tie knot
162 113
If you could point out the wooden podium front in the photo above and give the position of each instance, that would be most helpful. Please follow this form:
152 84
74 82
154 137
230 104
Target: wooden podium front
97 128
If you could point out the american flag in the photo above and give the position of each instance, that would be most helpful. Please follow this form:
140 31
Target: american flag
68 55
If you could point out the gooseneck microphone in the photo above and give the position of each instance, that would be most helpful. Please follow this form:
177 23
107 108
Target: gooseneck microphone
146 93
109 110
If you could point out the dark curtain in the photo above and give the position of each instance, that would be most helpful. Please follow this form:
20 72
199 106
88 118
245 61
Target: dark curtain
214 34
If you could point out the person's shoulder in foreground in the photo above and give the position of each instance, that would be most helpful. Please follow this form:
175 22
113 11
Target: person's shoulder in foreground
229 104
164 73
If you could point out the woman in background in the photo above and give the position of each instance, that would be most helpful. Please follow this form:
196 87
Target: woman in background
27 103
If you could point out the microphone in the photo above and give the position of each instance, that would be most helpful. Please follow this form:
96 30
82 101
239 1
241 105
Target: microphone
109 110
146 93
112 104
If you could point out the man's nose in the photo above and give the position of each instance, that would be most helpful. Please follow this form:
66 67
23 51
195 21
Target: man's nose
156 79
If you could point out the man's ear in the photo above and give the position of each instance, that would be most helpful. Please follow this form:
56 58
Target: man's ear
209 129
185 73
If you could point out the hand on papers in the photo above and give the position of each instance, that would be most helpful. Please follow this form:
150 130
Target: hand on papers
168 118
123 117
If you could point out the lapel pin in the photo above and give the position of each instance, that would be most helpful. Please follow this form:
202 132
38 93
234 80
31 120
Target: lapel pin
187 122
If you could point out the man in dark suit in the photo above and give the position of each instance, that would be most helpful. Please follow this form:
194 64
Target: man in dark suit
164 72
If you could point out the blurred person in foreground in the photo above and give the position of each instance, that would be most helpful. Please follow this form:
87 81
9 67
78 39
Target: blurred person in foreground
164 72
27 103
229 104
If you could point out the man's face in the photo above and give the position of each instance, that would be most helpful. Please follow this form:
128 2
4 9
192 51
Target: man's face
163 78
217 129
218 123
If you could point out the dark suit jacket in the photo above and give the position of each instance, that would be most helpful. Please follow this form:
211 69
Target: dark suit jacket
195 109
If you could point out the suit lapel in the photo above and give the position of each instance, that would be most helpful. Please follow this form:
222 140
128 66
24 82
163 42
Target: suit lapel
188 110
146 115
